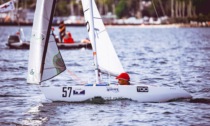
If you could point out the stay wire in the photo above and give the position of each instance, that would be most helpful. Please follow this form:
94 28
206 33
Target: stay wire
75 77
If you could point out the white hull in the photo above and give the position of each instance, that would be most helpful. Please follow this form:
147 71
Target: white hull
140 93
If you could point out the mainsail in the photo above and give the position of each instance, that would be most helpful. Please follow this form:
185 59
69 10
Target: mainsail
106 56
45 60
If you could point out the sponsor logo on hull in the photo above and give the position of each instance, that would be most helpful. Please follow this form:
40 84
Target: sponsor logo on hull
142 89
115 90
78 92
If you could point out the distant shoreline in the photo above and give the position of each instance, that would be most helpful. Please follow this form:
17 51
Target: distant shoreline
30 24
113 25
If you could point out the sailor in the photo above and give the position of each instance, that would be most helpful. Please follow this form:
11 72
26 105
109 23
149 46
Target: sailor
55 37
68 38
62 30
123 79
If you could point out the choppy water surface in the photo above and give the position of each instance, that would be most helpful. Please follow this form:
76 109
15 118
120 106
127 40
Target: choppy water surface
160 56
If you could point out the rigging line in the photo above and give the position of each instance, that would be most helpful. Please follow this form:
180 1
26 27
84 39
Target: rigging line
155 8
75 77
102 31
97 18
86 10
17 15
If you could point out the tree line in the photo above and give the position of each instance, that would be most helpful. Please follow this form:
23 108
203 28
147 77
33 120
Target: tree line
178 10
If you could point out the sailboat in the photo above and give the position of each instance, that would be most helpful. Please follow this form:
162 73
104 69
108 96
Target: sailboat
45 62
17 40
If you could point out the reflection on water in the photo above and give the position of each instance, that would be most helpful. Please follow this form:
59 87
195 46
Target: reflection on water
159 56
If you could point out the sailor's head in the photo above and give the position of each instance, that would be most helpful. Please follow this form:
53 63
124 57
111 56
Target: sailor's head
123 78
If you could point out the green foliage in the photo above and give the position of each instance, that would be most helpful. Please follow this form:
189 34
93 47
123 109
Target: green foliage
127 8
62 8
121 9
202 18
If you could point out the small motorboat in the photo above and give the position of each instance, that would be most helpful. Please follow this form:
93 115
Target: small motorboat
17 41
14 42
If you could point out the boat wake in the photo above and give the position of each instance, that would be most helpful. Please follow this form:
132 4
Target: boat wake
200 100
9 95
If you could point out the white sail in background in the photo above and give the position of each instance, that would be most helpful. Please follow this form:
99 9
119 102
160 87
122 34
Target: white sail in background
45 60
9 6
106 56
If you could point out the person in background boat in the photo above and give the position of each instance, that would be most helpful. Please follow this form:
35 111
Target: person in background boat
68 38
123 79
86 40
56 38
18 33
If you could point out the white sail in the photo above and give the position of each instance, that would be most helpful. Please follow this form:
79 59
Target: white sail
45 60
106 56
9 6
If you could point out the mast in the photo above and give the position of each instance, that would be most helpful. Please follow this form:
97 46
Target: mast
47 37
17 18
94 42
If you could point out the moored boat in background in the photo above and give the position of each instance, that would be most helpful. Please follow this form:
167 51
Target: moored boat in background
18 41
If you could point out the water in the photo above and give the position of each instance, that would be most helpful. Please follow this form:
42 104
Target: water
159 56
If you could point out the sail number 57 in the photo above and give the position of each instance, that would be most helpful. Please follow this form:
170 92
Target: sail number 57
66 91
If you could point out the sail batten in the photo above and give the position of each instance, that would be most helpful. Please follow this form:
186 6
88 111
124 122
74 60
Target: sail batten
43 53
